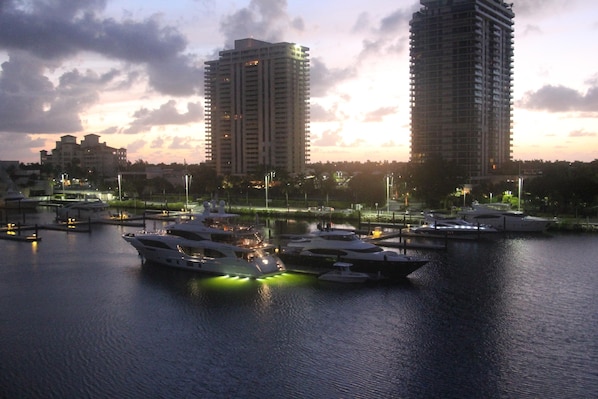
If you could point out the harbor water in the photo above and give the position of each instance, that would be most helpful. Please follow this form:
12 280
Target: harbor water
514 317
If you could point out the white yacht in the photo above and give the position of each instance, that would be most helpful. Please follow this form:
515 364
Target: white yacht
89 209
209 244
325 246
502 218
436 225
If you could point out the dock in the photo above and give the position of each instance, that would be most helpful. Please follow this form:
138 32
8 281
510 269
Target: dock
18 231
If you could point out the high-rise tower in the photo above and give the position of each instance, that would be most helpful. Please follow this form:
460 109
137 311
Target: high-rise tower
257 108
461 83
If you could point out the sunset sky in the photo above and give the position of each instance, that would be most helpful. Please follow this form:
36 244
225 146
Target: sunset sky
132 72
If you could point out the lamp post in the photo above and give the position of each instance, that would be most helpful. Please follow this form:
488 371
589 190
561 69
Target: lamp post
63 179
188 178
267 179
389 184
520 189
120 197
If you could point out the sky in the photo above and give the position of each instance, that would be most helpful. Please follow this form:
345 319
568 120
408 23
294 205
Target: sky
131 71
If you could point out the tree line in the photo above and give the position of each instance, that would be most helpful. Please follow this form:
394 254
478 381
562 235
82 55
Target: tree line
549 187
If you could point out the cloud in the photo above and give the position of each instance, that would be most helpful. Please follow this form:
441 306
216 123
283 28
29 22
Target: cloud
560 99
398 20
537 8
31 103
363 23
582 133
263 20
56 31
391 36
135 146
323 78
320 114
531 29
379 114
329 138
167 114
22 146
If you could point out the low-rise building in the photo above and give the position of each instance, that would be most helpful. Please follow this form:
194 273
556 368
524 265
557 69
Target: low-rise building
91 155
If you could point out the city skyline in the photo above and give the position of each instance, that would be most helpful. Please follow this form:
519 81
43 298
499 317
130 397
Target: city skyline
132 72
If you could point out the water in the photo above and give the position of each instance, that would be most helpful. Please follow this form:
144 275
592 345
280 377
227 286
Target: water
80 317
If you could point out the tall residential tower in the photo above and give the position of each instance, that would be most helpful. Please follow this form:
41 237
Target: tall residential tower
257 108
461 83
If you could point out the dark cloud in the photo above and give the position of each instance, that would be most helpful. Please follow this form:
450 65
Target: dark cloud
323 78
560 99
58 30
30 103
398 20
391 35
262 19
22 146
167 114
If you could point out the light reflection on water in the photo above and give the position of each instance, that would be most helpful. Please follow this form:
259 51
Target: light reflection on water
515 317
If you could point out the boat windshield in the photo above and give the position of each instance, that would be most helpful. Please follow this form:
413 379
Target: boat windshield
246 240
251 255
340 237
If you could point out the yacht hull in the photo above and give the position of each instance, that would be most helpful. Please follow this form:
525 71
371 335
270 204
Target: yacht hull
390 269
201 257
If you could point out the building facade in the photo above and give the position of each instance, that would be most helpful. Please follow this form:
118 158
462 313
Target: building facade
91 155
461 68
257 108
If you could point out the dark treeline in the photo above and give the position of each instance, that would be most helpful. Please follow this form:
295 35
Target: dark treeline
557 187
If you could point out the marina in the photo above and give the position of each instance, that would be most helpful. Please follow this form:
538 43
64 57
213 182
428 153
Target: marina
512 317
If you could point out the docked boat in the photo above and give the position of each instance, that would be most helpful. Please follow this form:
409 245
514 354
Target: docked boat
209 243
15 200
89 209
320 249
342 273
436 225
502 218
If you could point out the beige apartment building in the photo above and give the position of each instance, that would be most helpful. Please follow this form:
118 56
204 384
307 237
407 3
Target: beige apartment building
257 108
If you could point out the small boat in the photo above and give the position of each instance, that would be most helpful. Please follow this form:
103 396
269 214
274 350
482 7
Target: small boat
210 243
342 273
320 249
503 218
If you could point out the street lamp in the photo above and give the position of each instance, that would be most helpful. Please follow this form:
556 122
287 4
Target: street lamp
519 193
267 179
63 179
188 178
120 197
389 184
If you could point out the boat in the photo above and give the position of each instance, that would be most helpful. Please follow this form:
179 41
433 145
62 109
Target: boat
439 225
342 273
503 218
12 199
88 209
323 247
209 243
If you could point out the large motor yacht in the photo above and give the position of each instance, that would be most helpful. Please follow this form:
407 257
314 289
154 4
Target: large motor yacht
323 247
503 218
209 243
